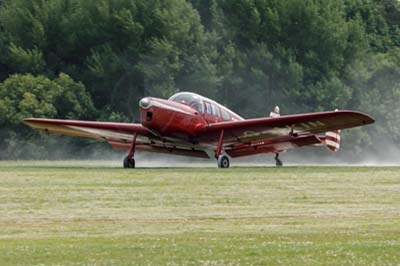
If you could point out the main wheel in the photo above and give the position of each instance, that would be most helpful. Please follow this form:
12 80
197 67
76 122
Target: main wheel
129 163
223 161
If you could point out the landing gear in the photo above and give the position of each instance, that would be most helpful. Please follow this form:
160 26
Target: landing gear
278 162
129 161
223 161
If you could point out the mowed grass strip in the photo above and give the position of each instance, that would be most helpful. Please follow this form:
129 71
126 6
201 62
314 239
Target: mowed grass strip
92 213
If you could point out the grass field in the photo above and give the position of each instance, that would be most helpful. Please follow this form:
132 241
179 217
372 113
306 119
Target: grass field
93 213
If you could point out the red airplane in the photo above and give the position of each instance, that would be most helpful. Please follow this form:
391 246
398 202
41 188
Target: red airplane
192 125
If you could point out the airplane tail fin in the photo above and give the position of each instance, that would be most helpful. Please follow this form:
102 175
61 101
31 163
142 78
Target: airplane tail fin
332 140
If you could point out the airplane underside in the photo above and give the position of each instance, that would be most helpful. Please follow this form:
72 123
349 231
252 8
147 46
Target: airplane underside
218 150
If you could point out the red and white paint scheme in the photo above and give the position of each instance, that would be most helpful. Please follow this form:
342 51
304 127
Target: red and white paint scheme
332 140
192 125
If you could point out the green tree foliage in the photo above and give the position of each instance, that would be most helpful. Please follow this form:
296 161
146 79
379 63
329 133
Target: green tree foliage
122 50
311 43
26 61
24 96
381 21
382 97
305 55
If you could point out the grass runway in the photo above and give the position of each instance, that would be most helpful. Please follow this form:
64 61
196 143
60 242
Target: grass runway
93 213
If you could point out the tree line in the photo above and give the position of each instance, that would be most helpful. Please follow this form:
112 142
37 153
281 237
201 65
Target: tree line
95 59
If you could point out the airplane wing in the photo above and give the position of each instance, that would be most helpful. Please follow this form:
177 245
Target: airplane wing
245 137
109 131
118 135
274 134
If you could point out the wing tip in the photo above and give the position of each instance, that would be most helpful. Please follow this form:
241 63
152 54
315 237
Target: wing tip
366 118
31 121
27 121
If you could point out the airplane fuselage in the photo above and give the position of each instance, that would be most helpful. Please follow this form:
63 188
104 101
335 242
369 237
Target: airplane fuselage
182 116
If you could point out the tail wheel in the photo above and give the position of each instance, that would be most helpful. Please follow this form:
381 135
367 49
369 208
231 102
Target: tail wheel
129 163
278 161
223 161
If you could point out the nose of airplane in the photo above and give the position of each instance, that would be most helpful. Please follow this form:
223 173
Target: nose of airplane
144 103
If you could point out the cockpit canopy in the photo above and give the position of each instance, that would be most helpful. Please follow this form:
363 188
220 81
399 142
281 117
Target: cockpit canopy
191 99
204 105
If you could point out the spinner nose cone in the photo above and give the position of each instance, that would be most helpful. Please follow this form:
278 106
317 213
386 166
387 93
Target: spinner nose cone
144 103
